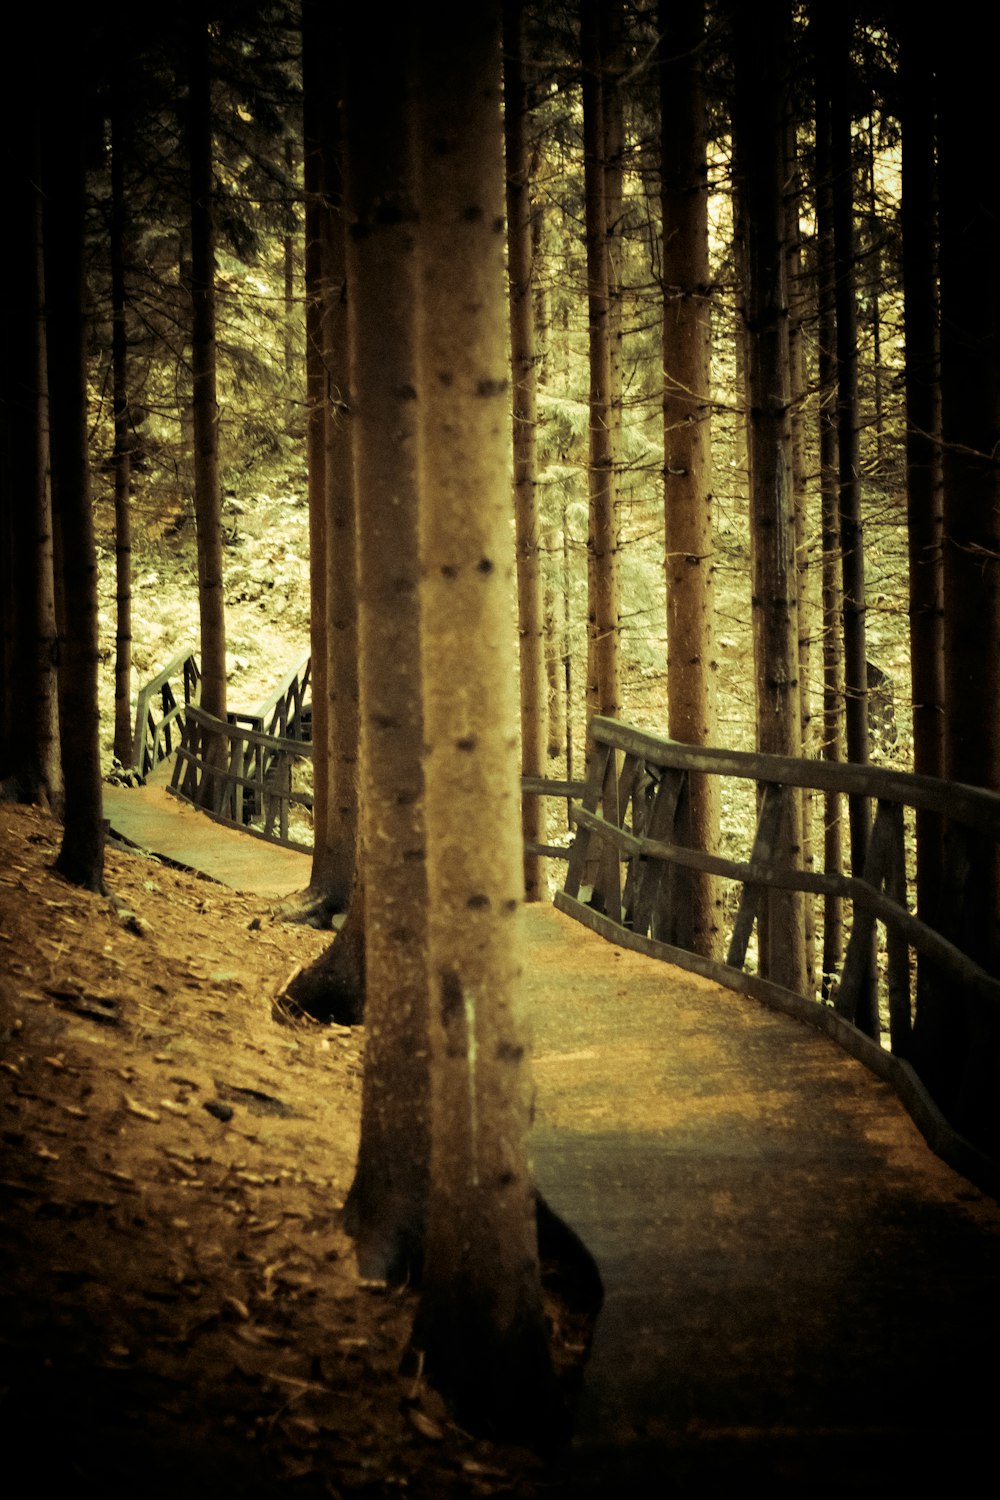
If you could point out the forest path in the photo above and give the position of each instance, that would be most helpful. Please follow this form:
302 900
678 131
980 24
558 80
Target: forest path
796 1287
151 819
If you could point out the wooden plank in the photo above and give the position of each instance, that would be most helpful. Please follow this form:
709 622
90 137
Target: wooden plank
608 884
660 827
897 948
546 786
591 797
857 998
965 804
769 823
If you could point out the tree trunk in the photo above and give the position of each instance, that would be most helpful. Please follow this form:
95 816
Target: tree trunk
81 857
603 609
29 739
123 445
386 1208
204 405
480 1323
688 501
326 436
923 450
838 33
794 280
962 1066
833 675
341 548
530 612
759 141
315 83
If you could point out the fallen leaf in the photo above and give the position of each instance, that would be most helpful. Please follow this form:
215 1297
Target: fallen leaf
135 1108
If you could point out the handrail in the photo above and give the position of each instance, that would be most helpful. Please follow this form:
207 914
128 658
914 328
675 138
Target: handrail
152 741
241 777
625 877
286 703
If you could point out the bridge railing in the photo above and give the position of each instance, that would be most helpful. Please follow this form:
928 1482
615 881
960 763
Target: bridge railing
552 789
626 874
161 707
244 777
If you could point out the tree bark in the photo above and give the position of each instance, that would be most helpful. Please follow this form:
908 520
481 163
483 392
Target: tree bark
204 404
797 314
923 450
81 856
833 675
386 1208
959 1040
530 611
480 1324
29 728
837 34
688 499
761 41
123 444
603 608
316 63
341 541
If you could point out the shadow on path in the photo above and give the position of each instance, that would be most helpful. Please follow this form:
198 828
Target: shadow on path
796 1288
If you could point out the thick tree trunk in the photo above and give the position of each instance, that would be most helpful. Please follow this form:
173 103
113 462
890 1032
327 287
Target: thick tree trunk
761 41
959 1044
343 729
530 611
688 500
123 447
204 404
29 735
386 1208
480 1323
81 857
333 585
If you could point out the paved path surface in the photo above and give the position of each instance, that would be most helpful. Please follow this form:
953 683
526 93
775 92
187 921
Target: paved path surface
152 819
797 1291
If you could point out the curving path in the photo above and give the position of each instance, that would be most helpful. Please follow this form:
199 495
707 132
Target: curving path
797 1291
149 818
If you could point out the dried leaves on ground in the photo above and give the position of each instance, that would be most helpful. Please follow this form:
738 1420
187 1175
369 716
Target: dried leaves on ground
179 1310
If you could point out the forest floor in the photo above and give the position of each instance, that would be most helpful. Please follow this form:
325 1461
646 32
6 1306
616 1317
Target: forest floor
179 1310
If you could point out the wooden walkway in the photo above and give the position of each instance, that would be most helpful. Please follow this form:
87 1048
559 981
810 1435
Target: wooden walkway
796 1288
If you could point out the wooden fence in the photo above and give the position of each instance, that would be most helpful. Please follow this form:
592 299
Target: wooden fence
625 880
160 711
240 772
243 777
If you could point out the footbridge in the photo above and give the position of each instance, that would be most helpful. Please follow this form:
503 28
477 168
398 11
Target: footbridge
798 1242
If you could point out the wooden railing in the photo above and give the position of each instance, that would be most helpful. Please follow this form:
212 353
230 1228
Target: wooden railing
243 777
243 772
160 712
625 878
563 791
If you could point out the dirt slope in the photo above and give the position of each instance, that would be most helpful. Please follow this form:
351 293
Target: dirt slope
179 1311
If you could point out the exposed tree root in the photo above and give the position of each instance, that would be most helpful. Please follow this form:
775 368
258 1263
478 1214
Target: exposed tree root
333 988
310 908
